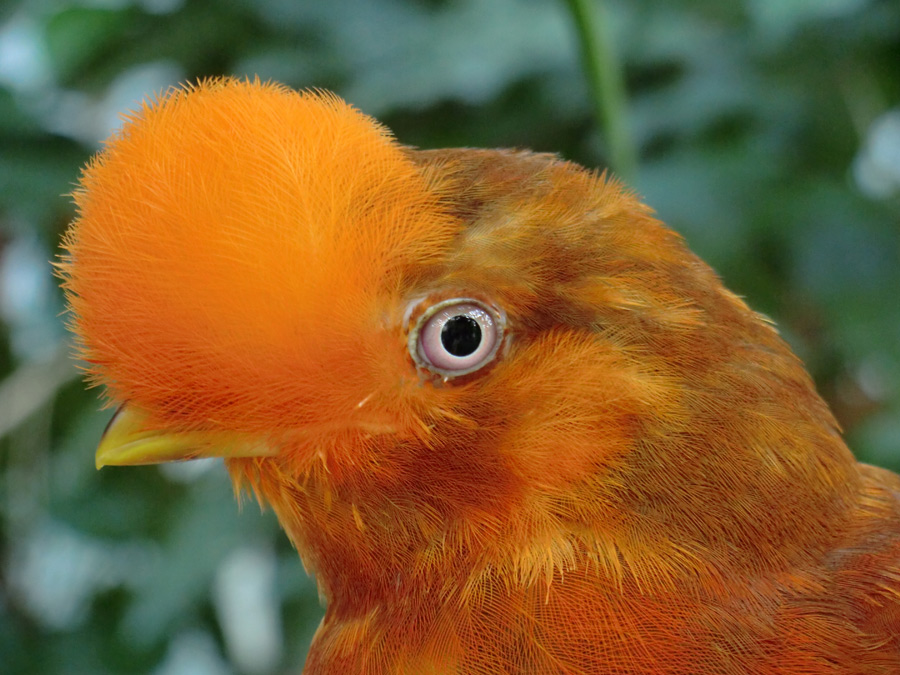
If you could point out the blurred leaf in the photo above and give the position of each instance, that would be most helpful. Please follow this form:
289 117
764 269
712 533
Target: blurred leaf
35 177
779 18
180 581
78 37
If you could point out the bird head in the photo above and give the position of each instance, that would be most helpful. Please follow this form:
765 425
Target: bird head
489 352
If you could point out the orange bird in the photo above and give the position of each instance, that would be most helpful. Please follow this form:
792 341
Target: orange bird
508 419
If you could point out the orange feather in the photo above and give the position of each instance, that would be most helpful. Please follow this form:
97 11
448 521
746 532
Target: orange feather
610 465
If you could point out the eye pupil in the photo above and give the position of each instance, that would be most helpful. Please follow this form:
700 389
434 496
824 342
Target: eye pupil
461 335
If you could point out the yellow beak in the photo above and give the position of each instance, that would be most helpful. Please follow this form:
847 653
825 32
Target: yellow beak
128 440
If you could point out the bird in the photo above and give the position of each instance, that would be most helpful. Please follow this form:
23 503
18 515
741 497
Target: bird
507 418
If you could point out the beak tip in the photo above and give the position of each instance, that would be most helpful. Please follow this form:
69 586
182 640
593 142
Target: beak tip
105 456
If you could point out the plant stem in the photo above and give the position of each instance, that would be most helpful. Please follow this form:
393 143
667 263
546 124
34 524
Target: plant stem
606 82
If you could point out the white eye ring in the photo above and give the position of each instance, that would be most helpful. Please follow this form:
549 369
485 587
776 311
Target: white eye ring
456 337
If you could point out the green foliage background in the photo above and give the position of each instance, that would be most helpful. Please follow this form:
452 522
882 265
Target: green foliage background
766 131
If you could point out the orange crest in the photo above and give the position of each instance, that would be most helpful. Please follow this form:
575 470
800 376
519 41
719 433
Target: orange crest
238 232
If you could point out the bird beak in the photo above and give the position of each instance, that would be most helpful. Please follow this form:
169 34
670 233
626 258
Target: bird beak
128 440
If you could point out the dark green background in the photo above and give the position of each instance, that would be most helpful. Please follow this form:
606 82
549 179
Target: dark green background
767 132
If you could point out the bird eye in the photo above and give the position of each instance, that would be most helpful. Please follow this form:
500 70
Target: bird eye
456 337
